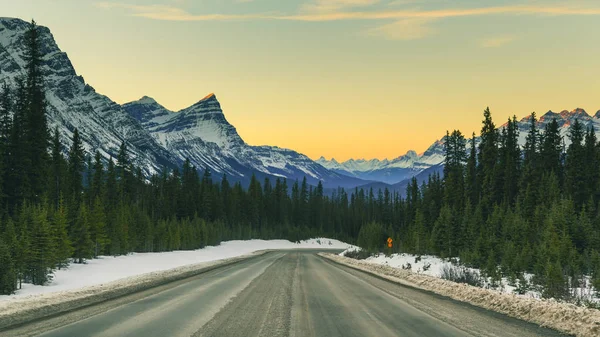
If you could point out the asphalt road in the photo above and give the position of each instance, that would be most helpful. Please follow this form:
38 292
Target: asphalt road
292 293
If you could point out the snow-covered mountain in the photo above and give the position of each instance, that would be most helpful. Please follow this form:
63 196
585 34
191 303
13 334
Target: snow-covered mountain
389 171
412 164
203 134
157 138
102 123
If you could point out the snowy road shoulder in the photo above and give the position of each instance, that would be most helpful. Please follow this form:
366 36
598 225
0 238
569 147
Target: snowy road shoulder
23 309
566 318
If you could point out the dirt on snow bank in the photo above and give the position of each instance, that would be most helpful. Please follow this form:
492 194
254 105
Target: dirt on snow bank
25 309
566 318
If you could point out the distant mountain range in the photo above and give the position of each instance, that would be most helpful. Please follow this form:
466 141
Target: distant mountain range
158 138
395 173
389 171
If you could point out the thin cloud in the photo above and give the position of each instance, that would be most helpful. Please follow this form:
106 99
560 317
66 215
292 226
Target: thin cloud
170 13
165 12
496 42
323 6
443 13
405 29
405 24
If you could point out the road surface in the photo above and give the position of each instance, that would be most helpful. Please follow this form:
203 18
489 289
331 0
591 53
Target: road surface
287 293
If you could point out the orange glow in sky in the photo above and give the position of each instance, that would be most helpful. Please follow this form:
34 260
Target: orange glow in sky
338 78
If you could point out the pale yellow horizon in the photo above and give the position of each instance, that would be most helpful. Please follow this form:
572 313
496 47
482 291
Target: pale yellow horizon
336 78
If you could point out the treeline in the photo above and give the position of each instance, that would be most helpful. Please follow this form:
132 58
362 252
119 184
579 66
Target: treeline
510 210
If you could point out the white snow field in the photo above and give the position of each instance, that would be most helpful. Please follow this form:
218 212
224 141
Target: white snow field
436 264
564 317
107 268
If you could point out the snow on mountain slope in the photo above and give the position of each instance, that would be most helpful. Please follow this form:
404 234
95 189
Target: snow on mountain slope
72 103
157 138
388 171
203 134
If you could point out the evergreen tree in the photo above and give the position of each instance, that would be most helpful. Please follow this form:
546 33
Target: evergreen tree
575 170
98 233
40 258
487 162
37 136
471 190
82 244
57 170
8 276
63 249
75 170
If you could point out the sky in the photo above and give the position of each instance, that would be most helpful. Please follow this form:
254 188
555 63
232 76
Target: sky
336 78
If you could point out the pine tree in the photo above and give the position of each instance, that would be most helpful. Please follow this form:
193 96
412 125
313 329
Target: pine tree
554 286
40 259
471 187
98 233
529 179
82 244
488 160
75 170
5 136
551 150
575 169
17 180
443 235
37 136
63 249
510 161
97 182
8 276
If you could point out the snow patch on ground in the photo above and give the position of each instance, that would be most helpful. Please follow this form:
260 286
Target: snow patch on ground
107 268
433 266
427 265
564 317
108 278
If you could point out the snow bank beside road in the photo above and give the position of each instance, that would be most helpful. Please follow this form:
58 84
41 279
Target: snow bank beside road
109 278
567 318
107 268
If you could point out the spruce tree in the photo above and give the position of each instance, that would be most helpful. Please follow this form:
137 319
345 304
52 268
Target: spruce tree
471 186
575 169
97 182
17 179
487 161
8 276
75 171
82 244
40 259
98 233
37 136
63 249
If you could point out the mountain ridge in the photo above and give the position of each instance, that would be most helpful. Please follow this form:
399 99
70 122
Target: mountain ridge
156 139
